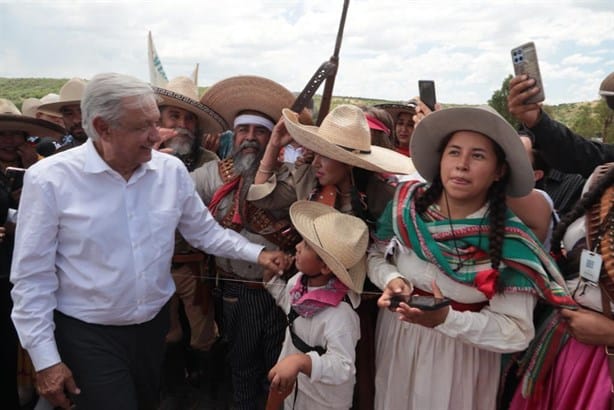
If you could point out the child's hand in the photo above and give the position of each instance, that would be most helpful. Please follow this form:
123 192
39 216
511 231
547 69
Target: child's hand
283 375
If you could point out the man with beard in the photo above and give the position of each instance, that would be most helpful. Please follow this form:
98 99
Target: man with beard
252 324
182 119
68 106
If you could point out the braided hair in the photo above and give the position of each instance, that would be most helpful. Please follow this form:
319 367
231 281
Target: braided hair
497 207
590 198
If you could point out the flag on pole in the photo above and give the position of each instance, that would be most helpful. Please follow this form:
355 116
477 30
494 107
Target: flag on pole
157 76
195 75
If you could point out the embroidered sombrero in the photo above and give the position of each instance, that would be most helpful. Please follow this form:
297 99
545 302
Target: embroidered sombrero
235 94
181 92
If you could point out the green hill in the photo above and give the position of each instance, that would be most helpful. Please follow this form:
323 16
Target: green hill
586 118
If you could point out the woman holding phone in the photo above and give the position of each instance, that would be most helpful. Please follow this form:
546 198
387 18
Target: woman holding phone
455 237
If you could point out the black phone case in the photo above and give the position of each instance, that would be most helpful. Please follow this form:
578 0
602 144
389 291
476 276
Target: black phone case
428 302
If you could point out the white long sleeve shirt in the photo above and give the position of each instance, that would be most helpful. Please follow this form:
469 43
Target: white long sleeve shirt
98 248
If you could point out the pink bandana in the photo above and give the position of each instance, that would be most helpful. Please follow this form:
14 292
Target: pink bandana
308 303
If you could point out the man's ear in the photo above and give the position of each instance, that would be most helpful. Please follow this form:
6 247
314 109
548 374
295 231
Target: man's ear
101 126
538 174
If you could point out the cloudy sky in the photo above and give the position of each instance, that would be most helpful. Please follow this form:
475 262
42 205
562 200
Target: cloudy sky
388 45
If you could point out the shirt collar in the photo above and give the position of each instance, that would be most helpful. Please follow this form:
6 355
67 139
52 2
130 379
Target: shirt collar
95 164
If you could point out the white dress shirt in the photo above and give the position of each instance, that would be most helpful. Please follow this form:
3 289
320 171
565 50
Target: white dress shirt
98 248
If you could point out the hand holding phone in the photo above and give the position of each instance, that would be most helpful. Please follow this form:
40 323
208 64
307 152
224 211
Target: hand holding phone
524 59
427 93
15 177
427 302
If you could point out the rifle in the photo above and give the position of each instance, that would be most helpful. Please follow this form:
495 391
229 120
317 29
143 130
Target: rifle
327 71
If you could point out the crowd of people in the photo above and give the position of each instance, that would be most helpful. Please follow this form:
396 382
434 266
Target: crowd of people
390 257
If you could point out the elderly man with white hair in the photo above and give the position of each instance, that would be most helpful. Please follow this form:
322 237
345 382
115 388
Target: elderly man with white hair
95 237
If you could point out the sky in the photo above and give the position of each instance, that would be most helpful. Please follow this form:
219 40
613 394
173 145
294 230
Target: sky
464 46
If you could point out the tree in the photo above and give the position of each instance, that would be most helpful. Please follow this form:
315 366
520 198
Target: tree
498 101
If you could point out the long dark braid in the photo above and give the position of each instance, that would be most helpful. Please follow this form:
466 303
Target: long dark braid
589 199
497 208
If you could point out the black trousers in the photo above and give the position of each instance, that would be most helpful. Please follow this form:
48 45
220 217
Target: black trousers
8 350
116 367
254 327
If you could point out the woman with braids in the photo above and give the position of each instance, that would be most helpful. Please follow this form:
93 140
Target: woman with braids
455 237
581 375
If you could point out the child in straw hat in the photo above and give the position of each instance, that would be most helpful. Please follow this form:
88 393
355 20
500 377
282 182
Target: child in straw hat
316 365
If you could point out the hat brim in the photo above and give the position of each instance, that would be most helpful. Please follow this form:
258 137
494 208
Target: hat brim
54 108
395 109
302 214
208 119
378 160
233 95
31 126
435 127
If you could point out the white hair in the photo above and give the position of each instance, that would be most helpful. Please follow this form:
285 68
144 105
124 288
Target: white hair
104 97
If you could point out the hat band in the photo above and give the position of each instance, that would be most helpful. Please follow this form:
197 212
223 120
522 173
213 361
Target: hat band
376 124
249 119
354 150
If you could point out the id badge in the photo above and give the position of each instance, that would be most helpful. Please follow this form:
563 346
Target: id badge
590 265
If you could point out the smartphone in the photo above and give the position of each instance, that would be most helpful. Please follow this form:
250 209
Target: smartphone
428 302
426 89
524 58
15 177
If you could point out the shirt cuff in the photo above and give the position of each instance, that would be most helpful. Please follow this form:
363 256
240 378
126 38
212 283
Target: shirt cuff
316 366
252 251
452 325
44 356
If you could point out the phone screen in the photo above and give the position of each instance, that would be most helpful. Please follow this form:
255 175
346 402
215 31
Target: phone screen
427 93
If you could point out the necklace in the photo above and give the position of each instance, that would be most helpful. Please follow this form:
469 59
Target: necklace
461 262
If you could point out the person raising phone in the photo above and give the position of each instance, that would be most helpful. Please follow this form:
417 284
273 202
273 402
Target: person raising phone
562 148
455 237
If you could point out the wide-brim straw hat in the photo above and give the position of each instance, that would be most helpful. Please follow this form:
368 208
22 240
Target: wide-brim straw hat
344 136
71 93
181 92
235 94
341 240
435 127
29 125
394 109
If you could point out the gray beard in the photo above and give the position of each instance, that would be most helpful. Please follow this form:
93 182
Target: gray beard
180 145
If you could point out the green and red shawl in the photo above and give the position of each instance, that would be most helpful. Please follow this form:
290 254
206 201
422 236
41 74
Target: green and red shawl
525 265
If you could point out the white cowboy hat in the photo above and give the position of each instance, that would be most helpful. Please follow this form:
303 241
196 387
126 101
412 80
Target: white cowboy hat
181 92
341 240
12 120
235 94
429 134
344 136
70 94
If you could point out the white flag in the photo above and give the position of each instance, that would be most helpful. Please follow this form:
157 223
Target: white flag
195 75
157 76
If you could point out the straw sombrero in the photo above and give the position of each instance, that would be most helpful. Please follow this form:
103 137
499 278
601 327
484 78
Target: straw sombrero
339 239
70 93
181 92
345 137
12 120
435 127
235 94
395 109
30 106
